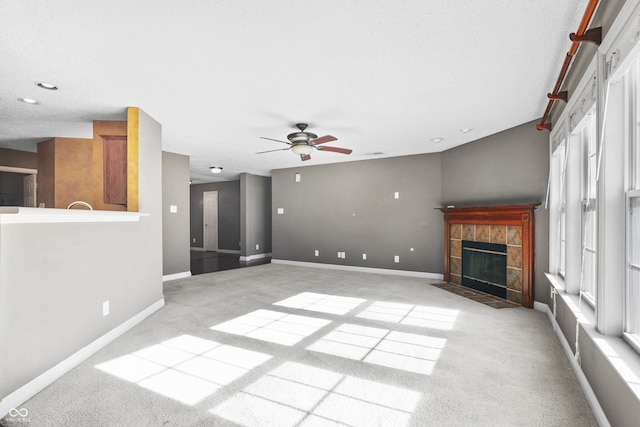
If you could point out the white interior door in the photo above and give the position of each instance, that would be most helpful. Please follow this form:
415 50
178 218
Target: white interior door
210 215
29 191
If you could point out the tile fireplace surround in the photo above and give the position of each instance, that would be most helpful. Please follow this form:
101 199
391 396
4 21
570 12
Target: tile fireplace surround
510 225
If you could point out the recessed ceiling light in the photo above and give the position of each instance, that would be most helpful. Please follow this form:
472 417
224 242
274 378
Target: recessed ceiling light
48 86
436 140
28 101
215 169
466 130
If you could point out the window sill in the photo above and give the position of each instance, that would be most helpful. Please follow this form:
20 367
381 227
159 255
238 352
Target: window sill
620 354
556 281
20 215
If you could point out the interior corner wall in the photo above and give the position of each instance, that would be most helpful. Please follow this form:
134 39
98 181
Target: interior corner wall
175 225
255 214
509 167
228 214
150 192
351 208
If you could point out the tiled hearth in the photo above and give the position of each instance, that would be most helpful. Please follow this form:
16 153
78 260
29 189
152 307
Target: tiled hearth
510 225
509 235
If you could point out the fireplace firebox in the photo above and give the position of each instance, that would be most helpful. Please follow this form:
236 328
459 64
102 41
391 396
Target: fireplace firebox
484 267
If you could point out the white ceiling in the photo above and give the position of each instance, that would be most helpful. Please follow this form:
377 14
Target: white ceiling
381 76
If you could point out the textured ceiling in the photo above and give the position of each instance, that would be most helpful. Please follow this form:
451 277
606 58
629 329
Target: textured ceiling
383 76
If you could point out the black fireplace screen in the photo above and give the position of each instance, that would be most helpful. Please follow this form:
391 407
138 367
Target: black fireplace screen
484 267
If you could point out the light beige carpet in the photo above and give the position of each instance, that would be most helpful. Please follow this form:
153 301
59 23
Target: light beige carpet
277 345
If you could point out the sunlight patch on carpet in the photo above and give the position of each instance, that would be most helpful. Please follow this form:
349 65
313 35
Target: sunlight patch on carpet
296 394
400 350
186 368
409 314
322 303
272 326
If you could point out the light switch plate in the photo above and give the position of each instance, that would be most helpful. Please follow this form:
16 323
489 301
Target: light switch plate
173 209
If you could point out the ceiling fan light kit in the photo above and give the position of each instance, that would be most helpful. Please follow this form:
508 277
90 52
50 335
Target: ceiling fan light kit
302 149
215 169
303 143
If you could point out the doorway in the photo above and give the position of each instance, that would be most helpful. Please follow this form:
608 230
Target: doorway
210 220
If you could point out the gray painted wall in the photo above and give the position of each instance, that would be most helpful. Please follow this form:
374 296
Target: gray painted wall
618 402
506 168
228 214
350 207
11 189
55 277
255 214
175 226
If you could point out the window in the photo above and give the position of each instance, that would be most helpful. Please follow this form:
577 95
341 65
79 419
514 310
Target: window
559 204
589 220
633 266
632 300
562 253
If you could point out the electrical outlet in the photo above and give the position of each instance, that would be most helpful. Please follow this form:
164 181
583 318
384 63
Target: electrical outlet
194 240
280 211
173 209
105 308
257 247
364 256
396 258
317 252
396 195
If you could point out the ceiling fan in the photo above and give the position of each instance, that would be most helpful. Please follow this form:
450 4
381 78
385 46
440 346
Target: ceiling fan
303 143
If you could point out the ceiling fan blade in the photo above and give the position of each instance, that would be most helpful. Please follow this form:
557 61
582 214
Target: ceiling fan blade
335 149
270 151
305 157
276 140
323 139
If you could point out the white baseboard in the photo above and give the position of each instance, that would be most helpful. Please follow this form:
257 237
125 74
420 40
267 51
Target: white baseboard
598 413
229 251
176 276
27 391
419 274
194 248
254 257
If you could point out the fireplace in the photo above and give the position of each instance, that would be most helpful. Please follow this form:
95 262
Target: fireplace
490 249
